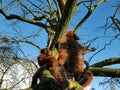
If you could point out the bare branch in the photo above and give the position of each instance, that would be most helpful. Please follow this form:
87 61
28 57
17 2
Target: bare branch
3 74
50 6
82 21
115 21
10 3
116 12
26 8
26 41
98 4
58 10
61 4
18 83
90 10
103 47
38 7
12 16
84 1
91 41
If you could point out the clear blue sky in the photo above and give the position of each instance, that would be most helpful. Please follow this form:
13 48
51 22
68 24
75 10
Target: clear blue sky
88 31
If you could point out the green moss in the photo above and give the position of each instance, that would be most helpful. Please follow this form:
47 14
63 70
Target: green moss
48 82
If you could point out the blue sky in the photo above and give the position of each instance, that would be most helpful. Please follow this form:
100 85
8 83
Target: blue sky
89 30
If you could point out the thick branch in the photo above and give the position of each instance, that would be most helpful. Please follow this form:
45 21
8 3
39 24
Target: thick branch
107 62
106 72
65 20
13 16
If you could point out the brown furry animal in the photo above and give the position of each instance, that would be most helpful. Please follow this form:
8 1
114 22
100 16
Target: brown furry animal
52 64
70 56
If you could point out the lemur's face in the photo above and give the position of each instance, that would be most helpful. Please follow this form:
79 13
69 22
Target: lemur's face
45 51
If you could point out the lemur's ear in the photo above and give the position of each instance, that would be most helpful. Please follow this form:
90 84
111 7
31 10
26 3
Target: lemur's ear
45 51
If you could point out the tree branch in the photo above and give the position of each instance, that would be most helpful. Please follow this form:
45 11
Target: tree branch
26 8
116 23
82 21
107 44
3 74
65 20
58 10
12 16
90 10
106 72
26 41
107 62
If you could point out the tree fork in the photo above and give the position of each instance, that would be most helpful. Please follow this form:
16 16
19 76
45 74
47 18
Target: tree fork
65 20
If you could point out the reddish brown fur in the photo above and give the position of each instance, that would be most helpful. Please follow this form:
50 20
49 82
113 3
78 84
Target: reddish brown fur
88 81
70 55
84 78
68 46
51 62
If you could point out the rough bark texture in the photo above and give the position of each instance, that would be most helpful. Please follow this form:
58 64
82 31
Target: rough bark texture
105 72
65 20
107 62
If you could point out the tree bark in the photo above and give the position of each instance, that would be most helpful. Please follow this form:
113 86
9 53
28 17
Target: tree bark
65 20
105 72
107 62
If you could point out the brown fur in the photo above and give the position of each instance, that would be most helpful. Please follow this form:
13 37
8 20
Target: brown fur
51 62
70 56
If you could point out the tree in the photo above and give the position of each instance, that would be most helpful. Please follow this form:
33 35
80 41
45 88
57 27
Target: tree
13 69
54 17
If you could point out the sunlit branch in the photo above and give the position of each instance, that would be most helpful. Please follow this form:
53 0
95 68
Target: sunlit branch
50 6
98 4
65 20
61 4
106 72
58 10
107 62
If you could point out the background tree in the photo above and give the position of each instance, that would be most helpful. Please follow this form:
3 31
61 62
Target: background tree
13 70
54 17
